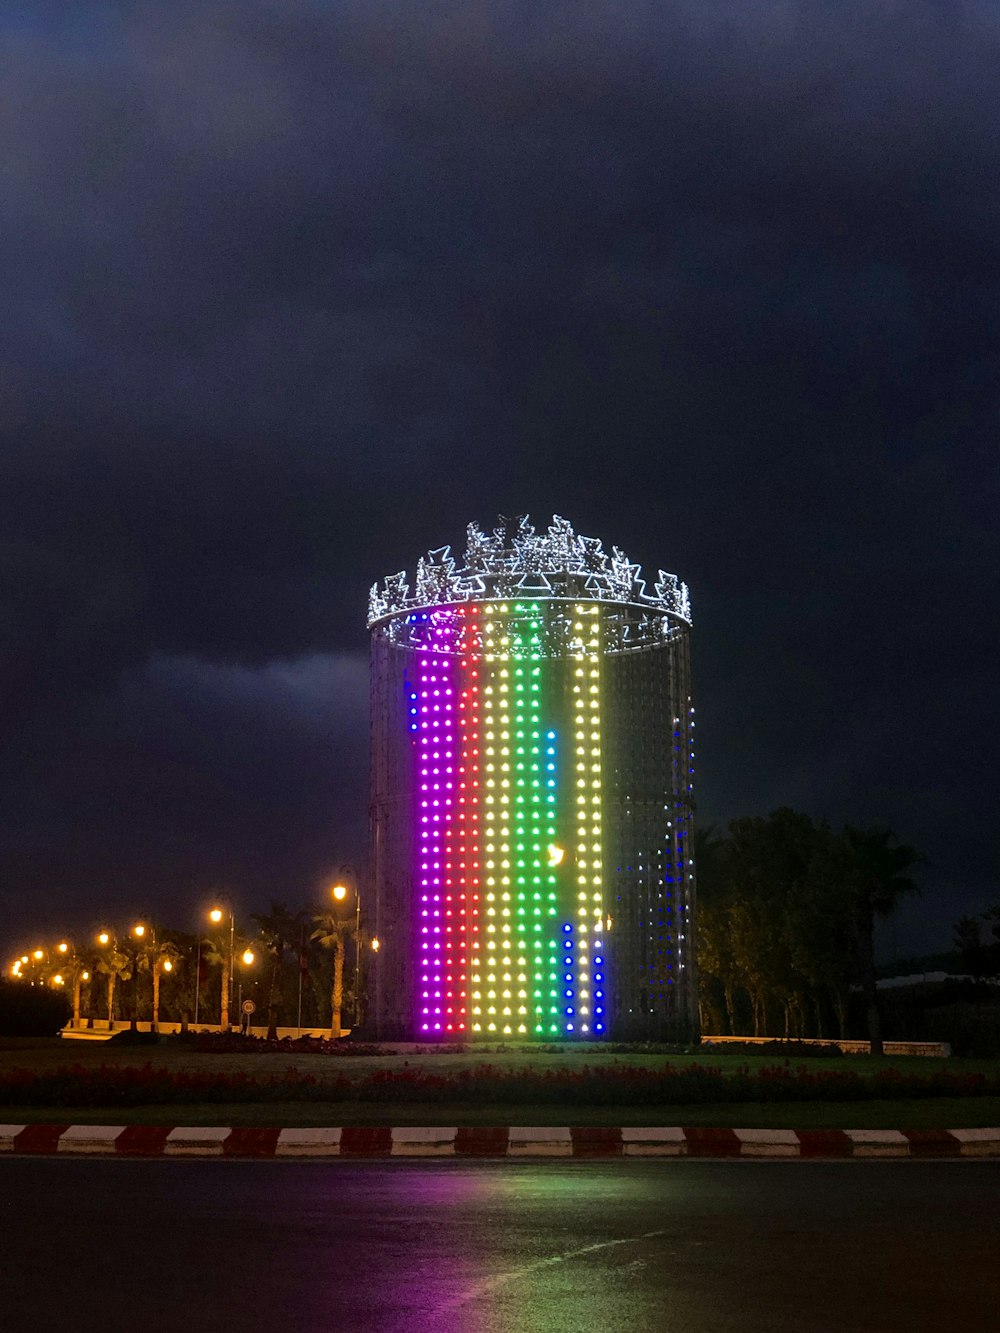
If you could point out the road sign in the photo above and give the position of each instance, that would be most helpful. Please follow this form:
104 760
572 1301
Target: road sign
248 1006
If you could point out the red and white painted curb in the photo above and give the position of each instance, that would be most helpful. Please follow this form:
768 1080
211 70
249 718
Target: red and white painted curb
509 1142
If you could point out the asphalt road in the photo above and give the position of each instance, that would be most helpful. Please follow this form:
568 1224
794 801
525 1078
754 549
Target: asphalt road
105 1246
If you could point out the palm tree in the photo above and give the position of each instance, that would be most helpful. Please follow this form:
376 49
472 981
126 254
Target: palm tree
163 958
79 970
114 962
73 966
332 931
278 929
877 869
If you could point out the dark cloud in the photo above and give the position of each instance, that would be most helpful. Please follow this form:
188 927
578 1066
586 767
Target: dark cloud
295 290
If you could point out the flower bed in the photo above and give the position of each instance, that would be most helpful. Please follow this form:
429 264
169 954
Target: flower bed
616 1085
235 1043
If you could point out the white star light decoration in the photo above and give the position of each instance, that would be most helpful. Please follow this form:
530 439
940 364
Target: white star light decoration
514 560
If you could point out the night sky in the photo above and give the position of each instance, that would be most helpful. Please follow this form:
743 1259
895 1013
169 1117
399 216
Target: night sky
293 291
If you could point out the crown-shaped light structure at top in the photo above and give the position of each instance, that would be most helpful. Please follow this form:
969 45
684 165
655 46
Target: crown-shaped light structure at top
516 561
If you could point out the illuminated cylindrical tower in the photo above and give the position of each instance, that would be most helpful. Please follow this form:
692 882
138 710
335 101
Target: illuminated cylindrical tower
531 813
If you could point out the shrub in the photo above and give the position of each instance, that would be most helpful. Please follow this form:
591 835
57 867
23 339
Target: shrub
237 1043
32 1011
811 1050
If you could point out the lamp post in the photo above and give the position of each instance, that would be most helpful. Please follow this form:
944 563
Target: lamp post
336 937
341 892
197 974
72 965
215 916
80 975
109 964
138 933
247 958
163 961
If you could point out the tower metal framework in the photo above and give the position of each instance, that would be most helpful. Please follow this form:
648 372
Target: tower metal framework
532 794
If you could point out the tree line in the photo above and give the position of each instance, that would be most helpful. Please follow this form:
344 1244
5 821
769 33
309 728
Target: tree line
786 914
302 968
979 948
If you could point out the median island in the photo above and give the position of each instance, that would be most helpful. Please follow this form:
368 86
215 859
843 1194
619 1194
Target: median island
227 1080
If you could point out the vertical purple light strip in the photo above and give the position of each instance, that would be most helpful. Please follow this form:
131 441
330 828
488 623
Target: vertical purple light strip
437 764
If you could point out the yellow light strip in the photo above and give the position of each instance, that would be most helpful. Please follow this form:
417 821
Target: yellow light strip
588 788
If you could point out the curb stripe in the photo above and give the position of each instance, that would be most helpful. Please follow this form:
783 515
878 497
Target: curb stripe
496 1141
481 1141
248 1141
824 1143
39 1138
308 1142
933 1143
195 1141
366 1141
596 1141
705 1142
142 1141
89 1138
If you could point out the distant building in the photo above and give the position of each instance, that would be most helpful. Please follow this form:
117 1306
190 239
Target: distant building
532 778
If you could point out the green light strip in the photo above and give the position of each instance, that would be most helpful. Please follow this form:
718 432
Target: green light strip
516 987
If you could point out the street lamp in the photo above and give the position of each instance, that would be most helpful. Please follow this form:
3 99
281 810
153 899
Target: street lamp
215 916
110 966
340 893
247 958
139 931
162 961
63 948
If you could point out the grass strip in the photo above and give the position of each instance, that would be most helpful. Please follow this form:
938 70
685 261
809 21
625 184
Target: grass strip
614 1086
929 1113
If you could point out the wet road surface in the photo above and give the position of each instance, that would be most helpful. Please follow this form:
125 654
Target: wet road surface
104 1246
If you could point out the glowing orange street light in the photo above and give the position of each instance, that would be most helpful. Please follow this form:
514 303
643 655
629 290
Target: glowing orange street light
167 965
24 958
376 945
339 892
57 980
38 955
104 937
248 957
138 931
84 976
216 916
63 947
